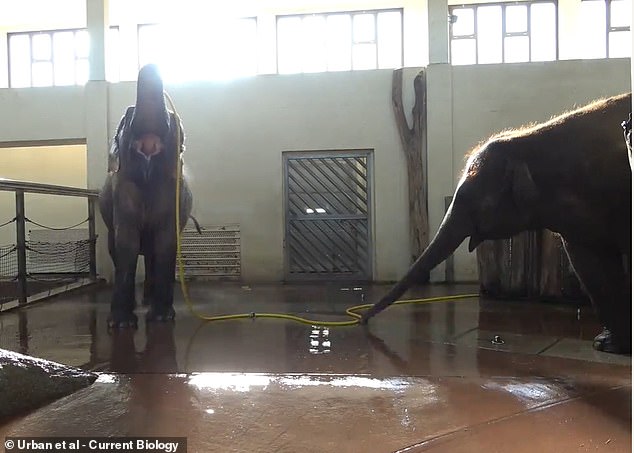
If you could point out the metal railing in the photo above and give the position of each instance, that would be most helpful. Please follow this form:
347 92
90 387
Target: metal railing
44 252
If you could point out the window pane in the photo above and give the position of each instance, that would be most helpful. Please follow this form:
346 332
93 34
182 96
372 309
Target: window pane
463 51
314 52
489 34
620 44
245 58
592 22
113 54
82 70
516 19
543 32
463 26
338 32
82 44
620 13
516 49
42 74
64 57
289 46
41 47
20 60
364 56
363 28
389 36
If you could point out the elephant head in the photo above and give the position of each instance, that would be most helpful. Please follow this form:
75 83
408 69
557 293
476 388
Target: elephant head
146 136
494 199
150 114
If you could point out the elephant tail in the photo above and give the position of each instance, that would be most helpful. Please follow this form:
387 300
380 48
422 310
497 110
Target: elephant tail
196 224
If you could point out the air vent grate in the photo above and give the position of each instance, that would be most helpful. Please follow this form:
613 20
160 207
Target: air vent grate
214 254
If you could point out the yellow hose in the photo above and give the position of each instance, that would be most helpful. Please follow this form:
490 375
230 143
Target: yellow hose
181 273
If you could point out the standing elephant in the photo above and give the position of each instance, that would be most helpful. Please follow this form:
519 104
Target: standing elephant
138 203
570 175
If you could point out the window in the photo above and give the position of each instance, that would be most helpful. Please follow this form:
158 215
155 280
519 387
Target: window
340 41
606 26
503 32
223 51
47 58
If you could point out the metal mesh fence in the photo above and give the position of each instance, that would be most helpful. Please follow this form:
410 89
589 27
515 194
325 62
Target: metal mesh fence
8 262
53 258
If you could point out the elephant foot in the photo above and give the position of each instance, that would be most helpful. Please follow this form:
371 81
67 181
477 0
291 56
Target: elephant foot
121 320
606 341
160 314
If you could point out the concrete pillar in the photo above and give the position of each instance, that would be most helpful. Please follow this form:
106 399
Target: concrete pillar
441 177
97 20
439 120
96 110
438 24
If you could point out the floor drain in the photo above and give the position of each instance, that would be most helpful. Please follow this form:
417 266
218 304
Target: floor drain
497 340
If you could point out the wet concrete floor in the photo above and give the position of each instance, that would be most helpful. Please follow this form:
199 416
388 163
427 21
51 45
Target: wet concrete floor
418 378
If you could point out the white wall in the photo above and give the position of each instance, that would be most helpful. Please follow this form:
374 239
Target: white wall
55 113
61 165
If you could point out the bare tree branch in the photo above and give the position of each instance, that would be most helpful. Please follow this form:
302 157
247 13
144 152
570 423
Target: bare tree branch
414 142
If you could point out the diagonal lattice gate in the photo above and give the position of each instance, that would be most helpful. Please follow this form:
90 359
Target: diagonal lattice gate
327 215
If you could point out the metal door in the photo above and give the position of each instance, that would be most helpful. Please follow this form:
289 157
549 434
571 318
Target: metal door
327 206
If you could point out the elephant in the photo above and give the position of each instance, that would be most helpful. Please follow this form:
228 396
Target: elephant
138 203
570 175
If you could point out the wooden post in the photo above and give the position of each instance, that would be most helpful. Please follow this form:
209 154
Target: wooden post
414 143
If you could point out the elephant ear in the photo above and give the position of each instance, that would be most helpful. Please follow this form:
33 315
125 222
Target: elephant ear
524 189
474 241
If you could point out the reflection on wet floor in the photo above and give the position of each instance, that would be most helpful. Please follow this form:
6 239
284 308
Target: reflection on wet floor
403 339
418 375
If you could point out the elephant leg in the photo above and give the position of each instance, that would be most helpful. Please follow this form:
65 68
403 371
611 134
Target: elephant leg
602 274
148 283
111 248
126 248
163 274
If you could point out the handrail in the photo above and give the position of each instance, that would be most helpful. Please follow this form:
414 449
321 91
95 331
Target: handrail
22 187
51 189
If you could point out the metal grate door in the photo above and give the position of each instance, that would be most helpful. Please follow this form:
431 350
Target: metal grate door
327 209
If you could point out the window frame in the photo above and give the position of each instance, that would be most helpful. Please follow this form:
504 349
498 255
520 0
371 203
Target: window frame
50 33
503 5
609 28
351 13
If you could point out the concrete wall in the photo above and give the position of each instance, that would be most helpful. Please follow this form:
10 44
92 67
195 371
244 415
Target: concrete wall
62 165
238 130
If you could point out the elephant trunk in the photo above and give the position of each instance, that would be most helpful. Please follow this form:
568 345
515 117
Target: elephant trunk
455 227
150 113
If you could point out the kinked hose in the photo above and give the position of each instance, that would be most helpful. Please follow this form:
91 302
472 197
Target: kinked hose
351 311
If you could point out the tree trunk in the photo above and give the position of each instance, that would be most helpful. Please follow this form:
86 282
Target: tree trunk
414 143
